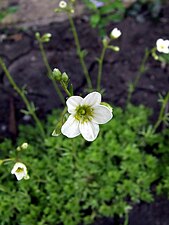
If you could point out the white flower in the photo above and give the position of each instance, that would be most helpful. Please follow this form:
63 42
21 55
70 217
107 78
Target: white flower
86 115
62 4
162 45
20 171
115 33
24 145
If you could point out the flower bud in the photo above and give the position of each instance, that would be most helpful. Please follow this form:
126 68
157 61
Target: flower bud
56 74
37 35
24 146
72 10
46 37
65 77
105 41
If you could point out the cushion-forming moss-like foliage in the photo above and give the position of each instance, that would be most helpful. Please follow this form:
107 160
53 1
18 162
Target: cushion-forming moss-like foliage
72 181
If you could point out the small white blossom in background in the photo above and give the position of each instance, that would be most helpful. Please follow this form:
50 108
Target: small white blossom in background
115 33
24 145
162 46
86 115
20 171
62 4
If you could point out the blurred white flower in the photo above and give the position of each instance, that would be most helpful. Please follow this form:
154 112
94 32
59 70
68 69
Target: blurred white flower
24 145
162 46
20 171
86 115
115 33
62 4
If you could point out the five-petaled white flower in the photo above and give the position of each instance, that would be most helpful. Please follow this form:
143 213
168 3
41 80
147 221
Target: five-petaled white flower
86 115
115 33
62 4
20 171
162 46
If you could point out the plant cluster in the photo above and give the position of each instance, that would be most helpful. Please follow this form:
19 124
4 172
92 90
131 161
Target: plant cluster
73 181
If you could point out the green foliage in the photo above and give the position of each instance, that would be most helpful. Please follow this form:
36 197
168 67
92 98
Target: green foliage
9 10
72 181
110 11
114 11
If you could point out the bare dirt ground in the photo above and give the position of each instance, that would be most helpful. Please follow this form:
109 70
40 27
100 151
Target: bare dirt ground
34 12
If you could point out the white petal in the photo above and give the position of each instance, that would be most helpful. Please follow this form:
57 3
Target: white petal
92 99
101 114
73 102
159 41
20 175
167 43
71 127
89 130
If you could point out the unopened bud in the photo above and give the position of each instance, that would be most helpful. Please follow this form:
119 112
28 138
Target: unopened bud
37 35
72 11
56 74
105 41
116 48
46 37
65 77
24 145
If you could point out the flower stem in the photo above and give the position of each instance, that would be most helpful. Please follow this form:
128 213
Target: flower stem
126 221
6 160
23 96
162 111
65 88
141 70
45 60
79 51
100 67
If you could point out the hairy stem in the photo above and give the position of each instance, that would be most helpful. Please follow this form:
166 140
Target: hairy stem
79 51
141 71
162 112
100 67
65 88
45 60
23 96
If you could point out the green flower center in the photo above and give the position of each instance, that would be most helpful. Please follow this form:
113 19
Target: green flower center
84 113
19 170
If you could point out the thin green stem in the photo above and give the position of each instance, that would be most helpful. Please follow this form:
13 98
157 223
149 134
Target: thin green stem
141 71
100 67
65 88
162 112
79 51
7 160
45 60
23 96
126 221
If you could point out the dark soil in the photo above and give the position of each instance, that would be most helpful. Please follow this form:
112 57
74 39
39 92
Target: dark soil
22 56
